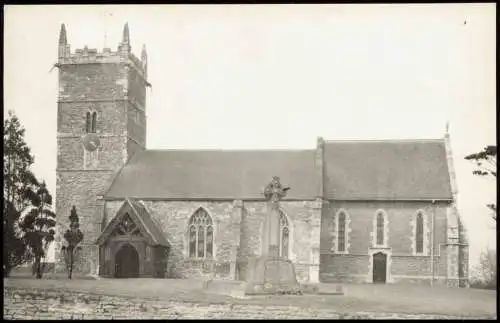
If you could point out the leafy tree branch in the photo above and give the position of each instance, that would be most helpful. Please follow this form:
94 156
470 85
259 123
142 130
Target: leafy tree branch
486 163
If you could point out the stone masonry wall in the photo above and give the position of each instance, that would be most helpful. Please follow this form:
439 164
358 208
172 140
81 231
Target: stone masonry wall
92 81
403 264
136 125
137 85
110 116
104 83
80 188
97 88
173 218
21 304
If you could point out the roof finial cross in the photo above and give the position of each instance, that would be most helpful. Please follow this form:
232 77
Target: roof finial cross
106 15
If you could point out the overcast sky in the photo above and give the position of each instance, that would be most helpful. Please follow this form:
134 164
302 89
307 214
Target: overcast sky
278 76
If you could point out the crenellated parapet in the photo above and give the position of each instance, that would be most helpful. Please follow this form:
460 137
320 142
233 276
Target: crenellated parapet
86 55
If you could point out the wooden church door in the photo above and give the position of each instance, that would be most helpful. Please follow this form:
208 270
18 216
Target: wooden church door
379 267
127 262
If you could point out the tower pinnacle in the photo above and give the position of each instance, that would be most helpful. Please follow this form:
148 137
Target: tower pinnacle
126 34
62 35
144 54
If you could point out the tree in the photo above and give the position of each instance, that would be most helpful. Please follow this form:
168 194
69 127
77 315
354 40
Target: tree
485 273
486 162
38 225
18 192
14 253
73 237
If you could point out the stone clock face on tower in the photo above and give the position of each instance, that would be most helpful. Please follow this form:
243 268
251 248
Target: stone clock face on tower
91 142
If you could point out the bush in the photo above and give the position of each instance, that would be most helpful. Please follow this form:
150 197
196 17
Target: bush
485 273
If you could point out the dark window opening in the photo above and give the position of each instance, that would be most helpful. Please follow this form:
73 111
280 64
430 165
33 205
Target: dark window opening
380 229
420 233
341 232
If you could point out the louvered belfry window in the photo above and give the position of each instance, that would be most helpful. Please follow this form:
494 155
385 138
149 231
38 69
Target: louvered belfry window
88 123
91 122
200 235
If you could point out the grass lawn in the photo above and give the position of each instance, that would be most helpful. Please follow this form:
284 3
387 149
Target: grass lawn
358 298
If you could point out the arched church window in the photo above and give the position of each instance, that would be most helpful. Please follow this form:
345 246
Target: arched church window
341 232
91 122
284 236
380 228
88 123
200 235
94 122
419 232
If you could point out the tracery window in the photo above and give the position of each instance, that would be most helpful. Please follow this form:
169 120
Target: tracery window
284 236
419 233
200 235
126 227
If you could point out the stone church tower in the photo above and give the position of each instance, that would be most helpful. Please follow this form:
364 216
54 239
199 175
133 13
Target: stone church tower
101 123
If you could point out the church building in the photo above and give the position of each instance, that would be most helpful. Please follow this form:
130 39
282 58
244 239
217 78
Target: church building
357 211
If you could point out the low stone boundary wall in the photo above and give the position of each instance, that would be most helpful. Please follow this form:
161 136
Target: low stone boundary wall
46 304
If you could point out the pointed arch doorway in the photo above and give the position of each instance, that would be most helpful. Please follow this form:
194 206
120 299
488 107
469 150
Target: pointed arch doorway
132 244
127 262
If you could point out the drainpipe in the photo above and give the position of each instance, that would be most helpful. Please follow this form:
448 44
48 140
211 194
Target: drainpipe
432 241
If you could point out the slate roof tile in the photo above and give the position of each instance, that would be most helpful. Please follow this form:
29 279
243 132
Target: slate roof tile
412 169
211 174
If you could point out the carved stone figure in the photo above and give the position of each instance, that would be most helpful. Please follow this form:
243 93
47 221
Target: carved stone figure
274 191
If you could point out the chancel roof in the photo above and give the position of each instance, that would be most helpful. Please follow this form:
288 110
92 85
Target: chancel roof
413 169
352 170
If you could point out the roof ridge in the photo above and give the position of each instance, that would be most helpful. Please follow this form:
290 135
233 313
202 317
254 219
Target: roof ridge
386 140
231 150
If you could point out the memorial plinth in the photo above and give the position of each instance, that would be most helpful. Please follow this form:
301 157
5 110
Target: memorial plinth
271 273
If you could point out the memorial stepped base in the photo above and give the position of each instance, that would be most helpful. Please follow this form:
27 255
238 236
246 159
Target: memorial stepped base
272 275
241 289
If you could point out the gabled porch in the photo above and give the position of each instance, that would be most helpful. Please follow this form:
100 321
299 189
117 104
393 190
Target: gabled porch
132 245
